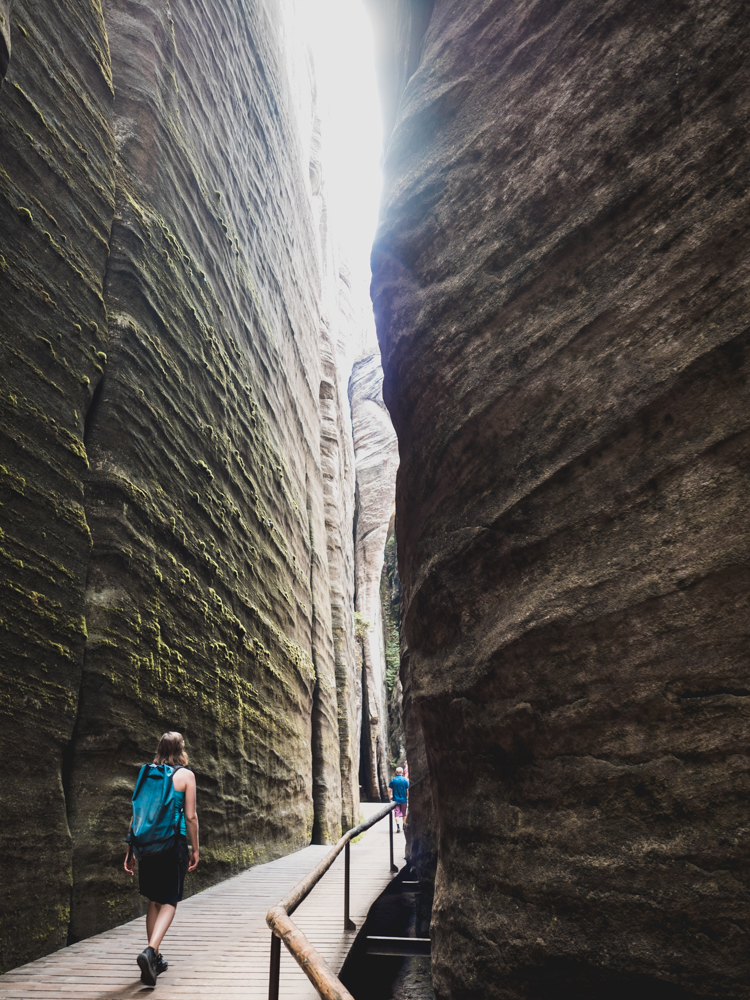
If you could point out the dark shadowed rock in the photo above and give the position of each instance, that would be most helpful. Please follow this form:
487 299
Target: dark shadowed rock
561 291
56 206
421 834
390 602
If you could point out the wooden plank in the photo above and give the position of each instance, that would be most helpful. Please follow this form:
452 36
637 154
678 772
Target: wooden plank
219 944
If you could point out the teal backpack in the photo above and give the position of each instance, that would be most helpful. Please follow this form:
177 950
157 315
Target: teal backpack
156 814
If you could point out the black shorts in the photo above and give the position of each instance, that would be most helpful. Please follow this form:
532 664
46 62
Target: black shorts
161 877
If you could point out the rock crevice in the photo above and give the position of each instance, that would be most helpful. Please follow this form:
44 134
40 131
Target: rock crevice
376 457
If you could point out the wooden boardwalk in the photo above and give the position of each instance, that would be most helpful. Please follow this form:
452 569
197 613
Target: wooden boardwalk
219 944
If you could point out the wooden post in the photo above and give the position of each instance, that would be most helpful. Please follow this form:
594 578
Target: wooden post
349 925
275 971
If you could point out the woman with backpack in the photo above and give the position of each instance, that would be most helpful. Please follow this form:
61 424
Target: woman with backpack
163 817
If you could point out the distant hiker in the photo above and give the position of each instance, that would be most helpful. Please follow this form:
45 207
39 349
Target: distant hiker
163 813
398 789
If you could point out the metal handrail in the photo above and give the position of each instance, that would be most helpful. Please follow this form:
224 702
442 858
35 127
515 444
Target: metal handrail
284 929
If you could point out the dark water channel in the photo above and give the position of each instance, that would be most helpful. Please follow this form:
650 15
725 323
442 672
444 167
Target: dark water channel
386 977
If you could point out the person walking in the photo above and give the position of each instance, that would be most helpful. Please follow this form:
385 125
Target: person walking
398 790
161 876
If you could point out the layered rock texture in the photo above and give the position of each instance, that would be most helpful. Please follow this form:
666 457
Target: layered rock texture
390 602
561 293
337 459
176 474
376 458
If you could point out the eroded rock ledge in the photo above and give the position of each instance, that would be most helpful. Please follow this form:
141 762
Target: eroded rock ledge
561 293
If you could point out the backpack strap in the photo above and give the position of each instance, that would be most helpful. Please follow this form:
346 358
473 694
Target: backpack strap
139 779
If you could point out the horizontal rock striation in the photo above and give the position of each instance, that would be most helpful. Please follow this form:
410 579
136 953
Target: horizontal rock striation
337 455
168 504
390 602
57 191
207 593
561 294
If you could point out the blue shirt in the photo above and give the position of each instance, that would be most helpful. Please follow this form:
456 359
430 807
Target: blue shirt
399 784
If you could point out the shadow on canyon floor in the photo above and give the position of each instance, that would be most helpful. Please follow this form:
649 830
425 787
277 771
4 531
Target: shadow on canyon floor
381 977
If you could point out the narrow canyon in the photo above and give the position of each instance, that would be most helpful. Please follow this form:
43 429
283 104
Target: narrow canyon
510 543
178 462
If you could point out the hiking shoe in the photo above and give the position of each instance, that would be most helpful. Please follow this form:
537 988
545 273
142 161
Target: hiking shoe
161 964
147 964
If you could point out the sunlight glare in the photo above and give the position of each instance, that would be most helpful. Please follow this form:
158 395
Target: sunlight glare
340 37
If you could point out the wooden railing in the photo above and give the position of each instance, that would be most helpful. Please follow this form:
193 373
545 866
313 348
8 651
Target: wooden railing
284 929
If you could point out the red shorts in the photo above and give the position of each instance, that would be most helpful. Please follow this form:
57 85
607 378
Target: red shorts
400 811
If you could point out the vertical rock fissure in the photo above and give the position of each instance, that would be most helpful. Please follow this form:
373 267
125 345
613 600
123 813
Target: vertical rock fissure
69 751
376 456
318 763
90 423
367 766
90 417
390 599
67 765
66 768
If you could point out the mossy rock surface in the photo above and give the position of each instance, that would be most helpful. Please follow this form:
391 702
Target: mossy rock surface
164 528
57 192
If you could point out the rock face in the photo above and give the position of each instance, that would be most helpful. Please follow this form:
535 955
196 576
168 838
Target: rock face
5 7
57 191
176 468
376 458
337 452
561 293
390 603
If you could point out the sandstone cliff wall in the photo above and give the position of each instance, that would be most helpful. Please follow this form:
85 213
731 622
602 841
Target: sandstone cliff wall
57 191
337 451
376 458
561 294
175 480
390 602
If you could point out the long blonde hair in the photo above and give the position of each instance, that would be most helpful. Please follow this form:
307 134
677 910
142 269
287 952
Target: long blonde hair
171 750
